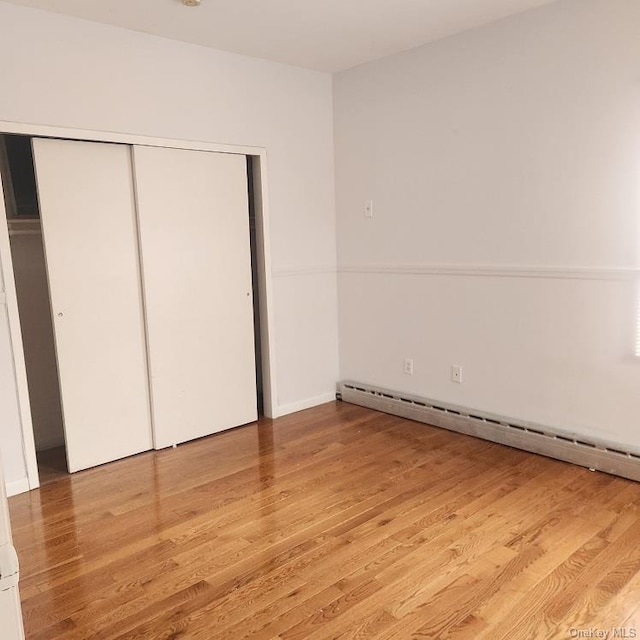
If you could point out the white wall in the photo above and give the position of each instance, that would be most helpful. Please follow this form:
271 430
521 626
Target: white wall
65 72
509 155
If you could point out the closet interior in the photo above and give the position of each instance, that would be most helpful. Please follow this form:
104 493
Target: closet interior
136 272
27 253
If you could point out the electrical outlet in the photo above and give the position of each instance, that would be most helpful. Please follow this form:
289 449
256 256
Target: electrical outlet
368 209
408 366
456 373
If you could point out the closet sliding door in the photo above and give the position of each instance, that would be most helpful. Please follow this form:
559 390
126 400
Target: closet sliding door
87 207
196 263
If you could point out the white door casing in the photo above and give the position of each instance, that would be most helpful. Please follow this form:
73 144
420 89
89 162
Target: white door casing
10 609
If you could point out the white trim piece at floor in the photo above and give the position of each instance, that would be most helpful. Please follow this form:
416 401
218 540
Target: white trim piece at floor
17 486
293 407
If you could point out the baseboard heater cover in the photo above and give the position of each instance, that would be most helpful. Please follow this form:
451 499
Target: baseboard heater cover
585 452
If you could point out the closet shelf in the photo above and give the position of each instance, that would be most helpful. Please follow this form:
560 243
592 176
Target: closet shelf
24 227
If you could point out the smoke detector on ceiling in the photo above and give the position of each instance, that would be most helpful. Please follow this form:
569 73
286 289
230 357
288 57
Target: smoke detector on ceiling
191 3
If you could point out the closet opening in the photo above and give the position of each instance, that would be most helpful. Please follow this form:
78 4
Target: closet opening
68 202
255 276
34 305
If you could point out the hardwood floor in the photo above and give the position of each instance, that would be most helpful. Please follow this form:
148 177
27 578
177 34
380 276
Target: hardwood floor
336 522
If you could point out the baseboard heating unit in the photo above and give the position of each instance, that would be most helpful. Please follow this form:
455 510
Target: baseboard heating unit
602 456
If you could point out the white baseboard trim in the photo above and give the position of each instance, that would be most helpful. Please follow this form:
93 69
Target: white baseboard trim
17 486
293 407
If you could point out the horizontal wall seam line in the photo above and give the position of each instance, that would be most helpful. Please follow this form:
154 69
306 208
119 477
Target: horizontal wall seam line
497 271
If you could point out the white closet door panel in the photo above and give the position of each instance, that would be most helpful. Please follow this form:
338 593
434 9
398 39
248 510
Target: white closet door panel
196 262
89 227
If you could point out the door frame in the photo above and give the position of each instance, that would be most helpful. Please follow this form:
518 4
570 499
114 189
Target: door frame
258 157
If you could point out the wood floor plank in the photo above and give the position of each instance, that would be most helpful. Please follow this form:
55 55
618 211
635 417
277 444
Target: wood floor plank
335 522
